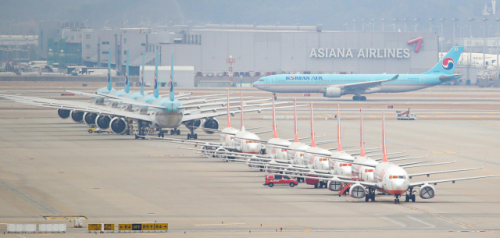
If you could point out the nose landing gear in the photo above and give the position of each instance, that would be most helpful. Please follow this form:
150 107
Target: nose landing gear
175 132
396 201
275 98
359 98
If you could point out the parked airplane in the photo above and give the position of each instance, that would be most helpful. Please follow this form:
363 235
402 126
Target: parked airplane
336 85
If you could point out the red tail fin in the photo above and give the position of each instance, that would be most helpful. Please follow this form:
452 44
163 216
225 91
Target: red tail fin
275 133
362 153
295 120
339 142
384 149
241 100
228 112
313 141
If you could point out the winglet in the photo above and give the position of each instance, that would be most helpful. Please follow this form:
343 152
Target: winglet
313 141
339 142
384 149
127 81
241 100
156 89
395 77
362 141
275 133
110 86
172 91
228 112
296 139
142 72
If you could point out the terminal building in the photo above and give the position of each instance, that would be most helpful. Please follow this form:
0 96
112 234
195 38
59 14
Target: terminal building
256 51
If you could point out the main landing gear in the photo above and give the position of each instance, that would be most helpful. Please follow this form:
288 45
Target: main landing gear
410 195
175 132
275 98
192 135
359 98
370 195
161 134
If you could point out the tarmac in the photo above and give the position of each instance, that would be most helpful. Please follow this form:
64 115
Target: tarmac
53 167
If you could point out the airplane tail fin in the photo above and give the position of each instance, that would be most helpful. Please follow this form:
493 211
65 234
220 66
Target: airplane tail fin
110 86
127 81
172 91
142 72
275 133
362 153
228 112
384 149
241 101
296 139
313 141
448 63
156 88
339 142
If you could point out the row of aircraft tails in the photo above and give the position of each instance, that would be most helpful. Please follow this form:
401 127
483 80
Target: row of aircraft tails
355 171
359 172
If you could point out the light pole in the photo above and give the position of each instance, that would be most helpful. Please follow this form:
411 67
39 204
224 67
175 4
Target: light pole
383 24
363 20
430 24
354 26
454 20
404 20
470 47
498 20
484 43
394 24
442 37
416 24
373 24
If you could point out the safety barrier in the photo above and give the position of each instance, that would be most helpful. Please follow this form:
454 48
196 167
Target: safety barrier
31 228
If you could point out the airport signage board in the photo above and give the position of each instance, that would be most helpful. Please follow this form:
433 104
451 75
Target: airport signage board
95 227
369 53
98 227
143 227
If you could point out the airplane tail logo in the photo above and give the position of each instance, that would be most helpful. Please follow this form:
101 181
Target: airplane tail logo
156 83
448 63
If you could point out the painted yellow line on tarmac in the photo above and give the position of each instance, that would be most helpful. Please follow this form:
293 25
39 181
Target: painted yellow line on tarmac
434 214
63 217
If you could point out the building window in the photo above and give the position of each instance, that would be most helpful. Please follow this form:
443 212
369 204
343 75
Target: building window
105 52
125 52
87 46
88 57
87 36
124 40
105 42
143 44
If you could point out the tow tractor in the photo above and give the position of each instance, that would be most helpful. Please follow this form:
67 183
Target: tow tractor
93 129
406 115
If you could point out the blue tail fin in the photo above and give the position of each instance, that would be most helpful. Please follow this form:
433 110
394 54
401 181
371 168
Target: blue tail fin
157 90
172 91
448 63
110 86
127 81
142 73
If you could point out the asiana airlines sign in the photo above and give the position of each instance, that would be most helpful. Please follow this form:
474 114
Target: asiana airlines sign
372 53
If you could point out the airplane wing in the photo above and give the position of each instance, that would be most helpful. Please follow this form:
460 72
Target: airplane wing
216 114
445 171
435 182
365 85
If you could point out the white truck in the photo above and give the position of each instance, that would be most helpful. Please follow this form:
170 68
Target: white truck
406 115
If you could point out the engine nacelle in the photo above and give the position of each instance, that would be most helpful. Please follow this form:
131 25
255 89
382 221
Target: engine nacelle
118 125
427 192
63 113
77 116
334 185
102 122
357 191
211 123
89 118
332 92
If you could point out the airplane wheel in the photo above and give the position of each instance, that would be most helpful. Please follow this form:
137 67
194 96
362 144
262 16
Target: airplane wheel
413 198
189 136
292 184
316 186
373 197
407 199
362 98
355 98
271 185
195 136
367 198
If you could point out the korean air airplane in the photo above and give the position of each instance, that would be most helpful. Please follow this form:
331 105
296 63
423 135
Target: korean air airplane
336 85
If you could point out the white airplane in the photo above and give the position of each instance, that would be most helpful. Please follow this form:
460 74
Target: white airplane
162 113
393 179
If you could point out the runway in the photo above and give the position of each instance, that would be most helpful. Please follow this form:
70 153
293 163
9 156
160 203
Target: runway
51 166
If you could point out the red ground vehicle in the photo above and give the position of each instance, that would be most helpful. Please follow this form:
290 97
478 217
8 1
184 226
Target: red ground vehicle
279 179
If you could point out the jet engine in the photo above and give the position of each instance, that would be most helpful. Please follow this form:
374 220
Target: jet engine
427 192
102 121
333 92
89 118
63 113
194 124
118 125
77 116
211 123
334 186
357 191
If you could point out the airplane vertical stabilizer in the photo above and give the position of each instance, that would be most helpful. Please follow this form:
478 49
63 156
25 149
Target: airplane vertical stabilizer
339 141
127 81
313 141
241 100
362 139
384 149
110 86
156 88
142 73
448 63
228 112
275 133
296 139
172 91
